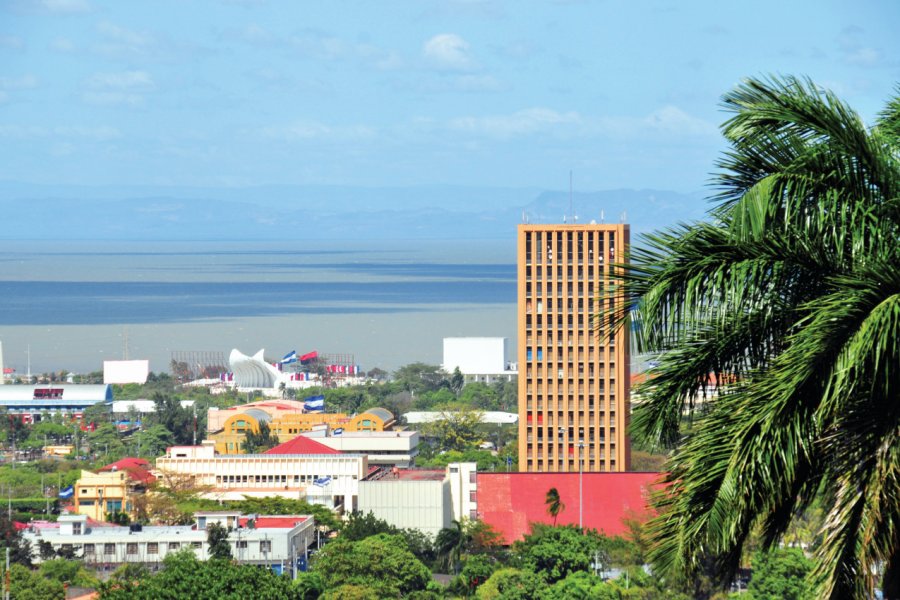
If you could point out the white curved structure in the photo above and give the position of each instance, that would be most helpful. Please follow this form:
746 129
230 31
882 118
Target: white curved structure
253 371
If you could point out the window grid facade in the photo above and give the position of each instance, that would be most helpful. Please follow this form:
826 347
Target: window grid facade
573 381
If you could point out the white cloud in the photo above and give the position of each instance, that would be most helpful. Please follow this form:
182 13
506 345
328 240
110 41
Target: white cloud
667 121
311 130
67 132
673 120
448 51
126 88
524 122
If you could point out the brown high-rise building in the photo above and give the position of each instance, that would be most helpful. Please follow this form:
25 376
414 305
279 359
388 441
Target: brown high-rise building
573 380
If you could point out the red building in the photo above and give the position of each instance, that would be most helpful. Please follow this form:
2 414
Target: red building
510 502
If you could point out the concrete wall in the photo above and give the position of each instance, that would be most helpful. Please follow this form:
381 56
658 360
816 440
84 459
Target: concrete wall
422 505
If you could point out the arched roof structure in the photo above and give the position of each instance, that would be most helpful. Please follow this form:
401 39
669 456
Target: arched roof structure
253 371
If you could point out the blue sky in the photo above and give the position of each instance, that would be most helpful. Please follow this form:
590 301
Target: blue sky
474 92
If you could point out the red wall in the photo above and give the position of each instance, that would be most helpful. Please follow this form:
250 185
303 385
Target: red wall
510 501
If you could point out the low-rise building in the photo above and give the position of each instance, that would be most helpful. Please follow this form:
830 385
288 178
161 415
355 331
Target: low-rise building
279 543
112 488
383 448
427 500
315 472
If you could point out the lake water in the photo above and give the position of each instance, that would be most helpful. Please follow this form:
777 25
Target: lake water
76 304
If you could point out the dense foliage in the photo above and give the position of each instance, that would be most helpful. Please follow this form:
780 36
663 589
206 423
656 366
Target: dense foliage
790 296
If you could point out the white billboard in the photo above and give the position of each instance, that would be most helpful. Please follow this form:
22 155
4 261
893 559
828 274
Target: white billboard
125 371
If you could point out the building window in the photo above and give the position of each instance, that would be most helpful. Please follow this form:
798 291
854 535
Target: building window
109 548
242 544
76 528
174 545
197 544
131 548
88 548
265 546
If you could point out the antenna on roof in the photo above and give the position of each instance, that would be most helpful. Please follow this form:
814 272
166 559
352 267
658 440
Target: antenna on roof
601 215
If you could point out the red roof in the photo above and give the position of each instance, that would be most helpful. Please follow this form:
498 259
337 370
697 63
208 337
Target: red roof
286 522
510 502
302 445
137 469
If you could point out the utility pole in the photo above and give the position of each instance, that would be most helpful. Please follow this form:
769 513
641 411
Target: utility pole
580 485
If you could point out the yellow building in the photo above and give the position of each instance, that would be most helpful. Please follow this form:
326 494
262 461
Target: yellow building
573 380
288 425
112 488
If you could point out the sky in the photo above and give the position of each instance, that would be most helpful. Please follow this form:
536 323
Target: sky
235 93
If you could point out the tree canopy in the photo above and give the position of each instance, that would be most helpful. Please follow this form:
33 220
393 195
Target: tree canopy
781 312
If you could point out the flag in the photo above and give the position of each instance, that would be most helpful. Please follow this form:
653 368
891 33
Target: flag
322 481
309 357
290 357
314 403
67 493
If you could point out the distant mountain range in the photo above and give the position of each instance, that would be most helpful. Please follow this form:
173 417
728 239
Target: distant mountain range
320 212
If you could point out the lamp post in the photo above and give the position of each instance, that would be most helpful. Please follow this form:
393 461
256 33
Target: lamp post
580 486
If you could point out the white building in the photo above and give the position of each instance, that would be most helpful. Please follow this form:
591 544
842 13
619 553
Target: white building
491 417
383 448
422 499
328 479
483 359
280 543
126 371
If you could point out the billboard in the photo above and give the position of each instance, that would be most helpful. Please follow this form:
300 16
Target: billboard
125 371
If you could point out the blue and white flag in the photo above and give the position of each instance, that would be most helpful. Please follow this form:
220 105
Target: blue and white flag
314 403
290 357
322 481
338 431
67 493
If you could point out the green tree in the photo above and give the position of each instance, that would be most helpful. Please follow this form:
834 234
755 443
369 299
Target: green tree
450 543
457 381
69 572
256 442
554 504
511 584
10 537
183 576
455 429
105 443
217 538
780 574
174 417
555 552
25 584
275 505
382 563
420 377
790 295
477 570
152 441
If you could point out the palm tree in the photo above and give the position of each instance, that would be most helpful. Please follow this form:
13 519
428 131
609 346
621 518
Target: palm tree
449 544
790 295
554 504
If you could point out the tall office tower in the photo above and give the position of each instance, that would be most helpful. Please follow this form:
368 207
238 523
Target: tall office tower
573 380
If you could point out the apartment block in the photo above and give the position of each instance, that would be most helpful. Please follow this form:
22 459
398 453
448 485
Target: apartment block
573 378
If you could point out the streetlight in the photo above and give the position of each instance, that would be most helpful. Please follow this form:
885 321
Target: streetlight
580 485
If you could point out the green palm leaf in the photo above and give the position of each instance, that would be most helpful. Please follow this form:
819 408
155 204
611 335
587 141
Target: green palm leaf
790 295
